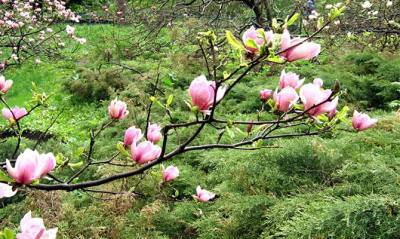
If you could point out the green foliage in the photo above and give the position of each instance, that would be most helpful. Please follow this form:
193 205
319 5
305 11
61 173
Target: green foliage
91 85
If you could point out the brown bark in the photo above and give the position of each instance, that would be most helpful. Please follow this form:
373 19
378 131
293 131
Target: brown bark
121 11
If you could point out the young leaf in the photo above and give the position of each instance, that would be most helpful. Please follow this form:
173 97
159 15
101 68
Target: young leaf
293 19
4 177
169 100
236 44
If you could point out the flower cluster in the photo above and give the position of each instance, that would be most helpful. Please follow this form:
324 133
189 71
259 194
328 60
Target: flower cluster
26 25
291 49
147 150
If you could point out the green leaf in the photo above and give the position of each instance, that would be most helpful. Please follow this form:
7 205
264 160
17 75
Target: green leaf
292 20
4 177
320 22
169 100
251 43
275 59
78 153
75 165
122 150
236 44
230 132
8 234
336 12
342 114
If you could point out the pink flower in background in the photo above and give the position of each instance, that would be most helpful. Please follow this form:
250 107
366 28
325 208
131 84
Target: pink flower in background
265 94
154 133
117 109
290 79
305 51
202 93
312 96
145 152
6 191
203 195
170 173
33 228
132 135
5 85
258 36
362 121
30 165
285 99
18 113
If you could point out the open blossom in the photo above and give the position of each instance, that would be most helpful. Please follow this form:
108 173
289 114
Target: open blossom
202 93
6 191
154 133
132 135
389 3
5 85
170 173
145 152
305 51
117 109
265 94
203 195
290 79
70 30
362 121
285 99
31 165
366 5
312 97
254 39
17 112
33 228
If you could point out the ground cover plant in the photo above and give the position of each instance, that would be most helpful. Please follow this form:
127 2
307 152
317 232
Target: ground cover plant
210 134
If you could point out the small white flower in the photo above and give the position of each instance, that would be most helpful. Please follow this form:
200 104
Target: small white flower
70 30
366 5
389 3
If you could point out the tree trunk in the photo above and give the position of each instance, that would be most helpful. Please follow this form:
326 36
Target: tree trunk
121 11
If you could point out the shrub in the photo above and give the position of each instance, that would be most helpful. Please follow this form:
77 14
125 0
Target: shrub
91 85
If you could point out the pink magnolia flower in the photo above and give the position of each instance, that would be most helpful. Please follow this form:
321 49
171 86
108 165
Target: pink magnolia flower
33 228
132 135
30 165
318 82
203 195
5 85
46 163
16 111
312 96
170 173
306 50
154 133
362 121
6 191
202 93
265 94
290 79
285 99
258 36
117 109
145 152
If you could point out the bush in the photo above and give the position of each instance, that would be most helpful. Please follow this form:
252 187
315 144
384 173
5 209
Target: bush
365 63
91 85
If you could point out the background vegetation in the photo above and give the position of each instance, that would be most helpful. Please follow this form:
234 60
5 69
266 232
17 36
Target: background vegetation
343 185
